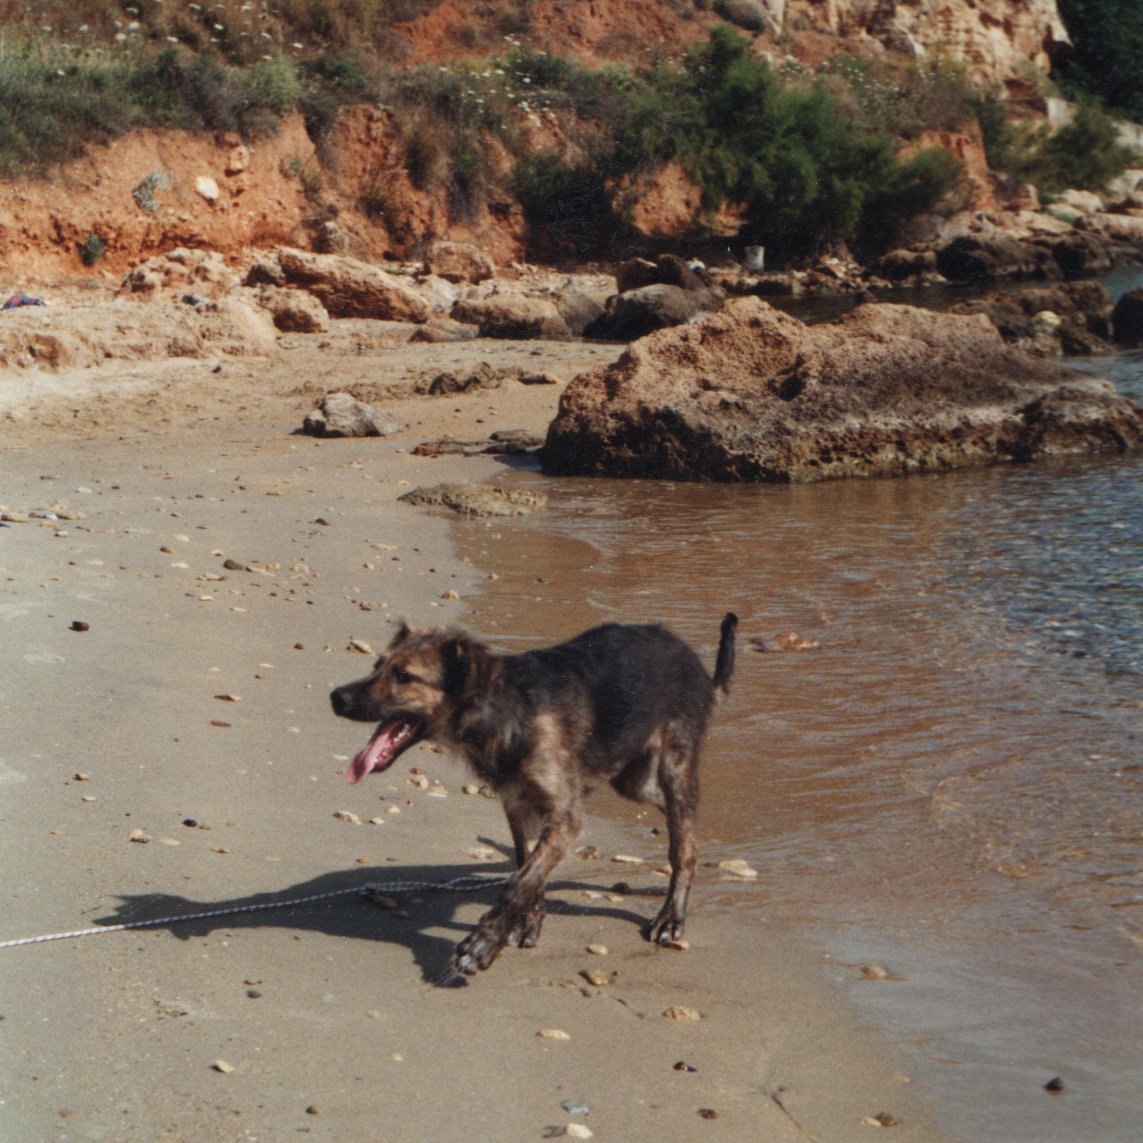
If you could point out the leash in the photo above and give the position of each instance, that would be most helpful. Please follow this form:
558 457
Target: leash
465 884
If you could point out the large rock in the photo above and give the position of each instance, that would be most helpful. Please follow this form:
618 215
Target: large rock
342 415
352 289
517 317
1072 318
1127 318
752 394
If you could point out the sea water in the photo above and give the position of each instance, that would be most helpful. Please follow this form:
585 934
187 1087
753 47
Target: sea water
943 791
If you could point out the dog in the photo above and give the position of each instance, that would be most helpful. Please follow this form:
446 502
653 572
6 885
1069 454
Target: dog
626 703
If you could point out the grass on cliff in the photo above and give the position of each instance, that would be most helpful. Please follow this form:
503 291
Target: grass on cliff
809 160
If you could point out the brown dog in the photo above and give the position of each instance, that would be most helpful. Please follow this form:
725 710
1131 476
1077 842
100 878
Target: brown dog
625 703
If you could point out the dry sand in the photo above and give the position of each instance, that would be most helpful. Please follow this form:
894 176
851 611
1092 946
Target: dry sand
325 1020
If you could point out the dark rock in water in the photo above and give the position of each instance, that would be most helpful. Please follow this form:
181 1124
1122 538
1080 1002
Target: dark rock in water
1127 318
1070 319
753 394
504 442
342 415
1081 255
986 258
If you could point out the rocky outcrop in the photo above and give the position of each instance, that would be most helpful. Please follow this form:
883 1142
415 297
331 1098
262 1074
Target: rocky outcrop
516 317
1065 320
752 394
350 288
84 337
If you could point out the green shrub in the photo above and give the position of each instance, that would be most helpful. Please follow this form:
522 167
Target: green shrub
92 249
1107 38
567 208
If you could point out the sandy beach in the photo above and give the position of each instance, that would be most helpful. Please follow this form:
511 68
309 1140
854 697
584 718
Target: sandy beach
178 755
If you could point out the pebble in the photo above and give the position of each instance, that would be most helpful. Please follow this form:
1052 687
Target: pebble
874 972
553 1034
139 836
573 1108
228 698
360 646
708 1113
347 816
80 625
1055 1085
223 1066
681 1012
881 1119
81 777
597 950
627 859
597 977
481 852
738 868
578 1131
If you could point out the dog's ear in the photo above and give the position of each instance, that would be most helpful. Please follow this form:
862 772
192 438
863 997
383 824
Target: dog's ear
403 632
466 666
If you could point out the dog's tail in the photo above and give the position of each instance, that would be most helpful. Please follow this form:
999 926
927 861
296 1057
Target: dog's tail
724 663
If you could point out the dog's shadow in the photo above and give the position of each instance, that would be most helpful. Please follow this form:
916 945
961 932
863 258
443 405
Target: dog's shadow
359 904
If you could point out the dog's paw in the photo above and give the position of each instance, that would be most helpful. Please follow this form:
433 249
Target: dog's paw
479 949
525 931
665 929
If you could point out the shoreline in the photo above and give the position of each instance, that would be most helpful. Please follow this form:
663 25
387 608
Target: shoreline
325 1048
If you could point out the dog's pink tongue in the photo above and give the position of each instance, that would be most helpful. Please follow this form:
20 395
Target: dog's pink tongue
379 751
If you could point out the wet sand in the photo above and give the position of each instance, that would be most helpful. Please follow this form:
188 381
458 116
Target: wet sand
194 709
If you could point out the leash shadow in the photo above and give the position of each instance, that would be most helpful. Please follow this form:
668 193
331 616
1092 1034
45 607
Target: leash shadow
358 904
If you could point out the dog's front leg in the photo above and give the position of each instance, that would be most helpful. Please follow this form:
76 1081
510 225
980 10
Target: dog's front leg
516 918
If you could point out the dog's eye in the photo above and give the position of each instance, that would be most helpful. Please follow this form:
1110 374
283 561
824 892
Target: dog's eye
402 677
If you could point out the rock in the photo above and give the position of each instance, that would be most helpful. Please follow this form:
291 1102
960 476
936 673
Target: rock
746 14
648 308
516 317
331 239
753 394
446 384
1127 318
293 311
898 265
476 499
1069 319
1081 255
348 287
444 329
986 258
1081 201
459 262
342 415
207 188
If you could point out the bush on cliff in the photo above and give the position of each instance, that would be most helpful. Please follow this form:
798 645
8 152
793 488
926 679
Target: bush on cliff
1107 38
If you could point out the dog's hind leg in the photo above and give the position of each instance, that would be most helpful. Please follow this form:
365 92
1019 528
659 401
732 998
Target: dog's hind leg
679 784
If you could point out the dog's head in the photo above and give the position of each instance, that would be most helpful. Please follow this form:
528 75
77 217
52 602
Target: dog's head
413 693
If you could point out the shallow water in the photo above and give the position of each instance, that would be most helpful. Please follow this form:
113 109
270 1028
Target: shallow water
950 785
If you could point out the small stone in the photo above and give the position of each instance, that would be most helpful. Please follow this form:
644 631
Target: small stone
481 852
312 1109
470 788
738 868
360 646
578 1131
683 1066
347 816
553 1034
881 1119
597 977
254 993
139 836
228 698
80 625
678 945
681 1012
81 777
627 859
223 1066
707 1113
1055 1085
597 950
874 972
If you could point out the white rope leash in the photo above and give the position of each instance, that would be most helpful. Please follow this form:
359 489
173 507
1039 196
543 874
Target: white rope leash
456 885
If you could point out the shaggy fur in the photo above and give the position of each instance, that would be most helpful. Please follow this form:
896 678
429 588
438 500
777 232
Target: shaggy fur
628 704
